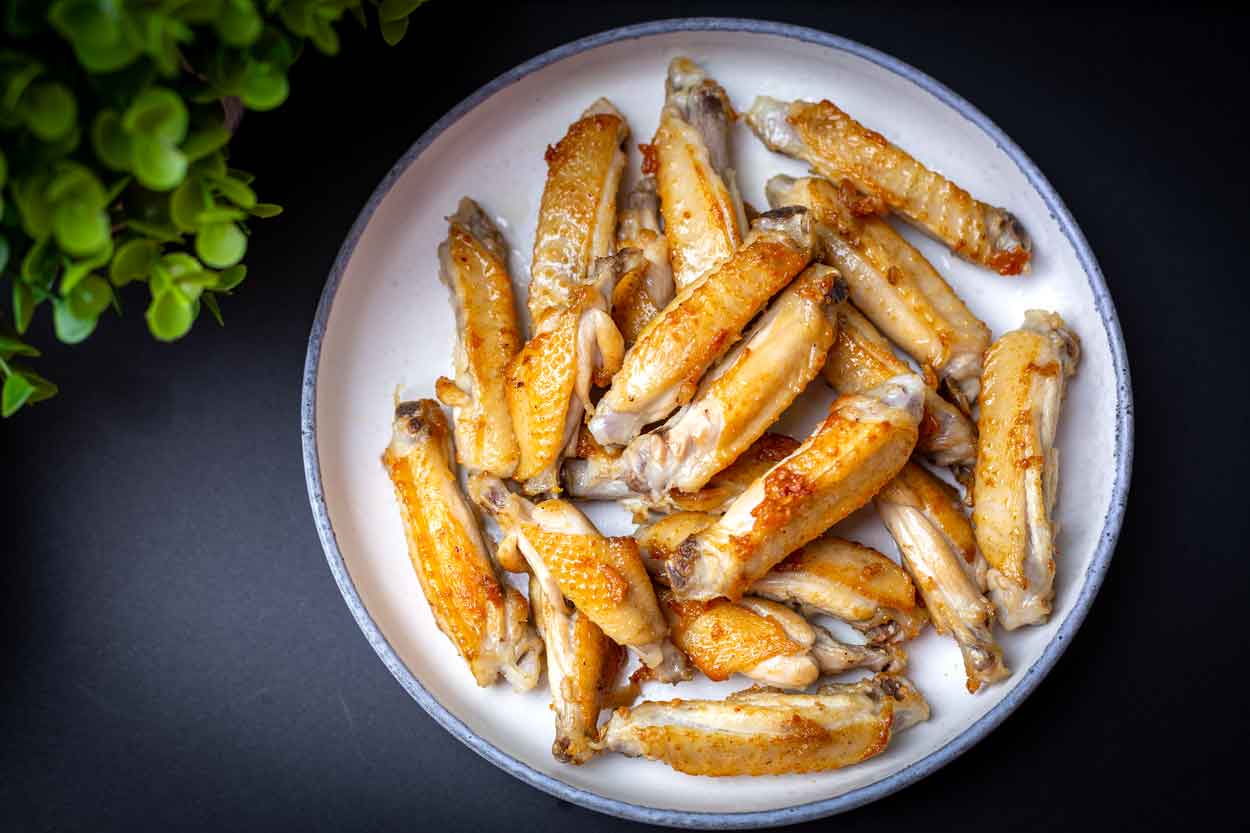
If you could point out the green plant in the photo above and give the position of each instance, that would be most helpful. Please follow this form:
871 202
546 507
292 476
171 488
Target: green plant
115 121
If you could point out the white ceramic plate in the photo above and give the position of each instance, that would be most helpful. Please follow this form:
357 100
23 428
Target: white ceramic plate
385 322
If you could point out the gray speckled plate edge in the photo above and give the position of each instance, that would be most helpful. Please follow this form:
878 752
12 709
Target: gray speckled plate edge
803 812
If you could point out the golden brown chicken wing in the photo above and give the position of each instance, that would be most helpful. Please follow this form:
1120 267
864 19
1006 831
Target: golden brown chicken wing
485 619
1018 465
859 447
839 147
640 296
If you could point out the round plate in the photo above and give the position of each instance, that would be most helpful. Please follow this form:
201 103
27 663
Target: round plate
385 323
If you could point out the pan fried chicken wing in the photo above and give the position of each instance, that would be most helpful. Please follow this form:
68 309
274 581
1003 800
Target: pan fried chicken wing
703 216
738 399
577 215
861 358
893 284
661 372
838 147
848 581
640 296
1018 465
935 539
764 732
474 266
549 381
604 578
487 621
860 446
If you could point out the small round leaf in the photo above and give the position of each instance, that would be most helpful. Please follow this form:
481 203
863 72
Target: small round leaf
70 328
169 316
264 87
111 144
157 113
133 261
157 164
186 203
80 227
220 244
90 297
50 110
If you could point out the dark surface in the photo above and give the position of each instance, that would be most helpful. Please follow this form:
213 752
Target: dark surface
177 657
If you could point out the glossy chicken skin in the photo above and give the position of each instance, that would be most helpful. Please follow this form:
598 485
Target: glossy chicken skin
746 392
859 447
703 216
473 265
485 619
639 296
839 147
549 381
661 372
766 732
577 215
1017 472
582 664
851 582
893 284
925 519
603 577
861 358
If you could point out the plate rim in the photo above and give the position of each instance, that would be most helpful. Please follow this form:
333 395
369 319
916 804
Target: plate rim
1123 445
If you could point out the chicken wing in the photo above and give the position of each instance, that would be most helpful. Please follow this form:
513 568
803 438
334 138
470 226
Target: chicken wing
935 539
474 266
661 372
893 284
604 578
582 664
859 447
738 399
640 296
703 215
487 621
764 732
848 581
549 381
577 215
861 358
1018 465
837 146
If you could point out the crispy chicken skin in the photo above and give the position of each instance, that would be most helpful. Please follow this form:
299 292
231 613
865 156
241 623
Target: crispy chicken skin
603 577
1017 472
766 732
848 581
549 381
861 358
766 641
838 147
739 398
859 447
577 215
639 296
893 284
473 264
926 521
661 372
485 619
582 664
703 214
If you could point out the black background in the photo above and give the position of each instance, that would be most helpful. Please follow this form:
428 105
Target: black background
177 657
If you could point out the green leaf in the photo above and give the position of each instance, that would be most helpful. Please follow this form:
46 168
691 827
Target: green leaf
203 142
169 315
200 11
158 113
16 84
50 110
211 302
32 205
393 31
17 390
73 181
157 164
80 228
266 209
76 270
212 165
220 244
10 346
219 214
397 9
242 176
97 32
24 303
180 264
230 278
156 231
133 261
89 298
110 142
40 264
115 190
4 169
186 203
324 37
43 388
69 327
237 192
238 23
264 87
